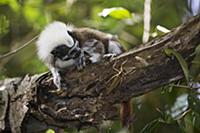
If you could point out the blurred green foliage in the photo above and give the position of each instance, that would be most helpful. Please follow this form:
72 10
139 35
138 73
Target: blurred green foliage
182 62
4 24
174 108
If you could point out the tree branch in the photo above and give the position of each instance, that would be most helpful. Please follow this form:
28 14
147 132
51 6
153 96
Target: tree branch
92 94
18 49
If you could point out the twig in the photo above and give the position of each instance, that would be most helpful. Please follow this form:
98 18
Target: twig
18 49
147 19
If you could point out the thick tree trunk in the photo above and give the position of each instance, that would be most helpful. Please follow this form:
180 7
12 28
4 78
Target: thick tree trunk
30 104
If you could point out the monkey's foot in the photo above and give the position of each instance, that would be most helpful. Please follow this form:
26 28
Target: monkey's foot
109 56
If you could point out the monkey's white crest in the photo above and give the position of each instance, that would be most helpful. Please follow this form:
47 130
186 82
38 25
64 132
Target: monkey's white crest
53 35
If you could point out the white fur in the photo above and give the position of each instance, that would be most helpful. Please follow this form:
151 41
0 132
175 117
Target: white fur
63 64
95 57
114 47
53 35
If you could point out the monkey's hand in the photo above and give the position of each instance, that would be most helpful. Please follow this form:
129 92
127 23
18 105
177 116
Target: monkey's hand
58 81
81 61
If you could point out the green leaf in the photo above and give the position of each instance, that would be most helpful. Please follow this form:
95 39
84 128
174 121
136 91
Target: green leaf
195 68
194 101
151 126
50 131
182 62
116 12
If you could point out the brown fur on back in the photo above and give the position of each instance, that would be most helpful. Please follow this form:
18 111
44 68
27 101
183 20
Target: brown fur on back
84 34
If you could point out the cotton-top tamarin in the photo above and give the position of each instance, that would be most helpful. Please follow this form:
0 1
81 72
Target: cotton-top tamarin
60 46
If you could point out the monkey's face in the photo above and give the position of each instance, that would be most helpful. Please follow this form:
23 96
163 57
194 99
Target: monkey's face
60 51
63 52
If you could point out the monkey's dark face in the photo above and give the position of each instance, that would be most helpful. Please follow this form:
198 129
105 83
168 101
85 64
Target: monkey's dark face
65 53
60 51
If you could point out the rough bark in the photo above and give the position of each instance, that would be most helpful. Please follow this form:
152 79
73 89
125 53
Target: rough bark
29 104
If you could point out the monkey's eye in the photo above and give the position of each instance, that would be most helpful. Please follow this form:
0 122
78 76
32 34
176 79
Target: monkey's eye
75 53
